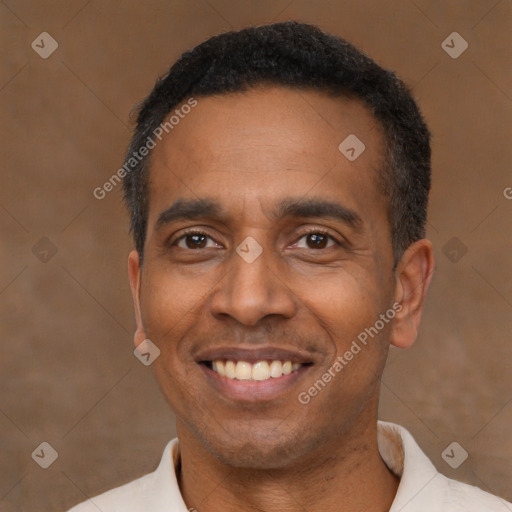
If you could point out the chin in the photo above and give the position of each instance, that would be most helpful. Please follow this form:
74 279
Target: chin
255 456
260 450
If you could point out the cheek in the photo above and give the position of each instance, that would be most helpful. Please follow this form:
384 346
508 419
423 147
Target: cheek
171 303
344 301
347 307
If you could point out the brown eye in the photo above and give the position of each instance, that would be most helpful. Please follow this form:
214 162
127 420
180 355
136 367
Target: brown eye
194 240
316 240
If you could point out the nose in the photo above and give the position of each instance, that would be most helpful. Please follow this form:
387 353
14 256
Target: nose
251 291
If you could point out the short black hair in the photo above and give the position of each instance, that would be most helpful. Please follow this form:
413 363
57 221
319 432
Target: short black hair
299 56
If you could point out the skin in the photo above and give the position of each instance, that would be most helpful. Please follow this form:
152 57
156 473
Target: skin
249 151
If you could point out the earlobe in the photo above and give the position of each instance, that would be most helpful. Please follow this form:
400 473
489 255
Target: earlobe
134 275
413 277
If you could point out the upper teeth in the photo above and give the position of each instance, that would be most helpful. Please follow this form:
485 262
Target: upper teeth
261 370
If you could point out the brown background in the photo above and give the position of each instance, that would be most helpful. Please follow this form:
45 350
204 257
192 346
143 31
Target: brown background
68 373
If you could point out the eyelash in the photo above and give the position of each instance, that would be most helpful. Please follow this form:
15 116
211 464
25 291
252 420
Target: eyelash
315 231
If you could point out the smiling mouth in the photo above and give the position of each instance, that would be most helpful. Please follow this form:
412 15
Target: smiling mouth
258 371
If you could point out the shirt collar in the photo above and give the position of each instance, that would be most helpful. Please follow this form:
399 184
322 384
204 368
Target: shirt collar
397 448
406 460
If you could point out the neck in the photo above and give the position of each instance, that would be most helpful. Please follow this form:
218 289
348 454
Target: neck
349 476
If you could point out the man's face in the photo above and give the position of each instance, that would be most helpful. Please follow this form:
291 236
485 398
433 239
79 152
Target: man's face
265 158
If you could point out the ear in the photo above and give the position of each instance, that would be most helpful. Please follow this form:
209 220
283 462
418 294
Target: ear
413 276
134 274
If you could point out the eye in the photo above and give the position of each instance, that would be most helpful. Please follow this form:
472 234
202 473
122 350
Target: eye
314 239
194 240
317 240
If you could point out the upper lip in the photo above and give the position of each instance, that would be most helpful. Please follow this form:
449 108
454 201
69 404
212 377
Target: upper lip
253 355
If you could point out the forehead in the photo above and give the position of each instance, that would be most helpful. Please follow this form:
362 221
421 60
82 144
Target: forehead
269 142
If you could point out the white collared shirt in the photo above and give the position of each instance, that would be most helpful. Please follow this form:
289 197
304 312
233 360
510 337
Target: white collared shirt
422 488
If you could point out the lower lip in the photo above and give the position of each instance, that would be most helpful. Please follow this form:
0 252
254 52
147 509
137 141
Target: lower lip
253 390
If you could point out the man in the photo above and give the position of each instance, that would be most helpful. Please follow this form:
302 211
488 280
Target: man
278 183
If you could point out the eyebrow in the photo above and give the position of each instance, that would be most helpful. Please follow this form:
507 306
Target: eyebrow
192 209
